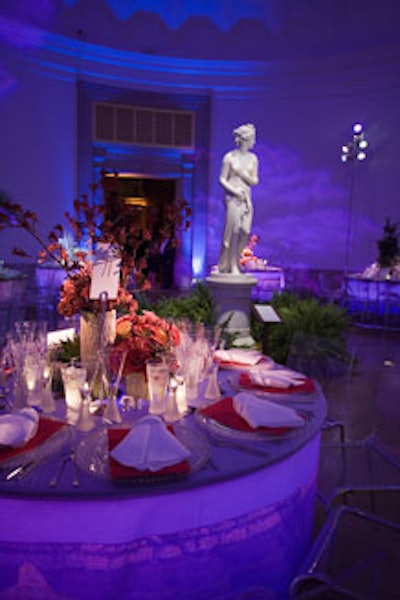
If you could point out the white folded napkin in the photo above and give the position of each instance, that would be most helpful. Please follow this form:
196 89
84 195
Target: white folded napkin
276 378
16 429
259 412
239 356
149 445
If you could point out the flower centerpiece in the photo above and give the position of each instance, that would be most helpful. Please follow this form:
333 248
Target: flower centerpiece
99 217
142 337
248 259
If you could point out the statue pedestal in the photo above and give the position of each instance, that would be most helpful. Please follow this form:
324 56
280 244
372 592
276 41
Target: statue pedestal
232 294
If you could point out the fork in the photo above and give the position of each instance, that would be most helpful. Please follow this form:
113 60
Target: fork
57 476
75 481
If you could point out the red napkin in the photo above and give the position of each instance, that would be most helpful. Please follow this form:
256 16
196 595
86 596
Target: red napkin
47 427
224 413
307 386
118 471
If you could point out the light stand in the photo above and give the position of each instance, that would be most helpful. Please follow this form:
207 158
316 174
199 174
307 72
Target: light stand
352 152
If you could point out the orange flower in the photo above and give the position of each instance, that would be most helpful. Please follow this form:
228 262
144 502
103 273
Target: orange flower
123 327
161 337
144 337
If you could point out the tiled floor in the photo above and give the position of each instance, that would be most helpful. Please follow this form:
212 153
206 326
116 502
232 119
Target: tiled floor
367 401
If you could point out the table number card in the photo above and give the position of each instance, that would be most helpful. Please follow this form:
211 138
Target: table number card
266 313
106 273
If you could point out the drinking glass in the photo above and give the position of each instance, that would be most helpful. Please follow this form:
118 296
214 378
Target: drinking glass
27 348
73 378
114 363
33 372
157 380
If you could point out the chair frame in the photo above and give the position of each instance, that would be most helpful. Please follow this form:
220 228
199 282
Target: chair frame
341 492
309 573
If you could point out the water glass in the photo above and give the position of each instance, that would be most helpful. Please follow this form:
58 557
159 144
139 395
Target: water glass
33 372
73 378
157 380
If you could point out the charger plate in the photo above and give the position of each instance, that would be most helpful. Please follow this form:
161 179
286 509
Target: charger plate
240 381
264 361
92 455
52 435
246 433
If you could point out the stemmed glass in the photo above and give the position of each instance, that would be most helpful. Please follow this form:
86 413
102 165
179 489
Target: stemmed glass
108 374
86 420
27 349
214 338
5 379
195 357
48 404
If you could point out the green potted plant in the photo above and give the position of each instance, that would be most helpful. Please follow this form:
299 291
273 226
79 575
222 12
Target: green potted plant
310 336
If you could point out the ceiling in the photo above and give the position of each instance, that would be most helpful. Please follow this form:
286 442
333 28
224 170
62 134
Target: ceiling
209 29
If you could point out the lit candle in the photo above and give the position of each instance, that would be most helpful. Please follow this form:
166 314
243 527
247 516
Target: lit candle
31 375
73 380
181 400
171 412
33 372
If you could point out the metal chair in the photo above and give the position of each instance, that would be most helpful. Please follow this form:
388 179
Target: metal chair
332 286
319 358
361 468
354 557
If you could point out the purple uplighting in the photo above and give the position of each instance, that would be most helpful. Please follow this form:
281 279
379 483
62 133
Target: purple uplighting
260 131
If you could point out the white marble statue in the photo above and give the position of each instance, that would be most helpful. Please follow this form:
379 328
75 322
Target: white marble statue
239 172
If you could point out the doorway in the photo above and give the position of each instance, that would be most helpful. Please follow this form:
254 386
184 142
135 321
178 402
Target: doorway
148 203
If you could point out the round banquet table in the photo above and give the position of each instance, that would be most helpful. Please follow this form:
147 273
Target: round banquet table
236 527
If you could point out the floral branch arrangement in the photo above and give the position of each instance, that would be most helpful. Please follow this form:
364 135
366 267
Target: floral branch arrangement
99 217
13 215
